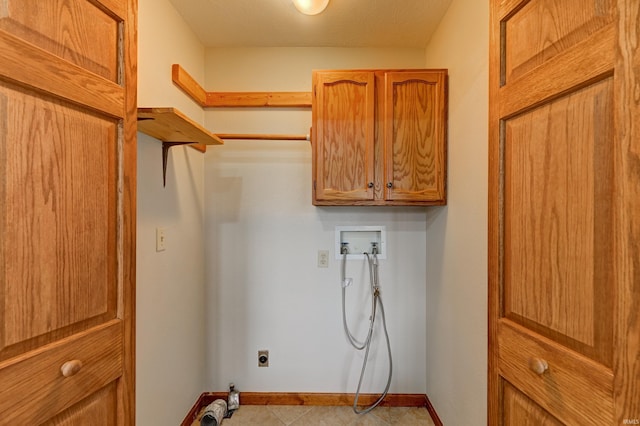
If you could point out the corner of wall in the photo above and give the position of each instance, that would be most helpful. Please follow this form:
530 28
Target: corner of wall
170 284
457 234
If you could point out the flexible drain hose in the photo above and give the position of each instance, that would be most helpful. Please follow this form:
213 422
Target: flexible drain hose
375 299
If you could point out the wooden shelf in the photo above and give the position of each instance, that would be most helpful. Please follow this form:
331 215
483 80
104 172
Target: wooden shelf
170 125
174 128
205 99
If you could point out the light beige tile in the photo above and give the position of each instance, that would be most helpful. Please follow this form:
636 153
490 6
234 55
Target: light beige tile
369 419
253 415
326 416
390 414
414 417
289 413
301 415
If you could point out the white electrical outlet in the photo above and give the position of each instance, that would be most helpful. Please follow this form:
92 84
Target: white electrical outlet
323 258
161 239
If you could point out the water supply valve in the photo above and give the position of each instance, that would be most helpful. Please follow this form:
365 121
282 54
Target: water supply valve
356 240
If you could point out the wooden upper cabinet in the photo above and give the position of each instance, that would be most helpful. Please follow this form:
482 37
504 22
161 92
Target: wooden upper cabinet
343 117
379 137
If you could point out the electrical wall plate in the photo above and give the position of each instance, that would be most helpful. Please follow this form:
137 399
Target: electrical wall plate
161 239
323 258
263 358
359 240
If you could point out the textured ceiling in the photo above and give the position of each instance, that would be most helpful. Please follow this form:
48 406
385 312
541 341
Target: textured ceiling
345 23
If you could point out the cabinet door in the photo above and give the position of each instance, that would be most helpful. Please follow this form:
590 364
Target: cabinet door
67 211
415 135
564 228
343 117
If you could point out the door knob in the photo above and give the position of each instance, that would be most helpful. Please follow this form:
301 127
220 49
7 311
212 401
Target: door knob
71 368
389 184
538 365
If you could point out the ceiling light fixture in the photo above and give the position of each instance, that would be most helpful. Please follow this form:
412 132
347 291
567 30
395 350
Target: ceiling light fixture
310 7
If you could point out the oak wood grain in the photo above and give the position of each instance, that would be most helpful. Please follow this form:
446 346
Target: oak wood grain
99 405
258 99
343 124
67 211
591 59
574 389
124 406
33 67
556 200
563 241
188 84
543 29
171 125
90 42
627 205
520 410
191 87
415 122
53 228
262 136
405 163
101 352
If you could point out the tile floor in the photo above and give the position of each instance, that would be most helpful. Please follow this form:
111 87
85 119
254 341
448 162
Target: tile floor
304 415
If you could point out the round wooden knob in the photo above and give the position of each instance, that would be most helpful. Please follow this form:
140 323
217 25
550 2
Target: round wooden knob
538 365
71 368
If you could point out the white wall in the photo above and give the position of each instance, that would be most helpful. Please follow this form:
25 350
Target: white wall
457 234
170 285
264 289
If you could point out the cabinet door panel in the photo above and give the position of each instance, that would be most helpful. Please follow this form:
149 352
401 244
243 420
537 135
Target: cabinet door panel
414 136
344 135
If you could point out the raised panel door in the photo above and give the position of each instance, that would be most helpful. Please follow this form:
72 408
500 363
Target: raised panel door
563 282
67 211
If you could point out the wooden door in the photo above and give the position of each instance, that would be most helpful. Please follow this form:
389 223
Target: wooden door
564 222
67 211
343 135
415 121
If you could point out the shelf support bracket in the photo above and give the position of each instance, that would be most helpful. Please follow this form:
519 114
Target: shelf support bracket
166 146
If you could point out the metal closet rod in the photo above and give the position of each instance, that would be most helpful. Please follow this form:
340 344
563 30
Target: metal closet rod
270 137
